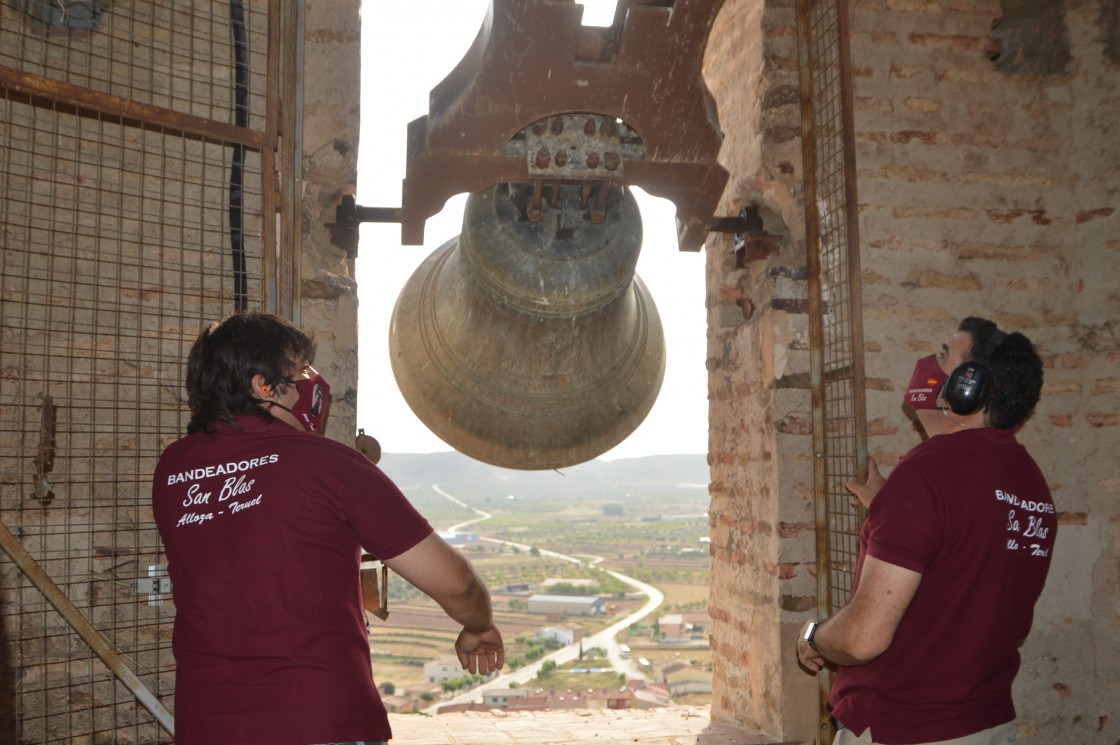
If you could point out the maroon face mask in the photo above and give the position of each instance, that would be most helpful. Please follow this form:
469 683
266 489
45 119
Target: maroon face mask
925 384
311 408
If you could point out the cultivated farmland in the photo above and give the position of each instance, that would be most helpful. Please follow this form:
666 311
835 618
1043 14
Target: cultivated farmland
655 531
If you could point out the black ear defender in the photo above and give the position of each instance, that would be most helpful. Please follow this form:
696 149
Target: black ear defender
968 389
971 385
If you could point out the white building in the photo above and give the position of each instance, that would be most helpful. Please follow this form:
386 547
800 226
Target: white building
561 634
579 605
445 668
673 629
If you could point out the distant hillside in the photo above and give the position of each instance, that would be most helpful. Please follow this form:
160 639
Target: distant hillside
458 473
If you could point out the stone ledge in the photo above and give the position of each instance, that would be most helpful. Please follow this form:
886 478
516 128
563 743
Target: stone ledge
672 726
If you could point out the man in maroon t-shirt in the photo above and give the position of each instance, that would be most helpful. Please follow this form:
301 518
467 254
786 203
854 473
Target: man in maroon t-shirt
263 523
953 556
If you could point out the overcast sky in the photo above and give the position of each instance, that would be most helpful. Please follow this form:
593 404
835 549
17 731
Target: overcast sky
408 47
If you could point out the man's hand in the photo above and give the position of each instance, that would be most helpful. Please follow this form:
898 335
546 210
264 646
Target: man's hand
482 653
810 658
865 493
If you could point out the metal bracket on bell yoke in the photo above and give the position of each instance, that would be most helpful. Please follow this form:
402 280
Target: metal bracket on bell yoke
648 118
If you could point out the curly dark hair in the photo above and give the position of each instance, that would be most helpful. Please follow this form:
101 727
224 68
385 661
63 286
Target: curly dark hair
1016 371
985 336
226 356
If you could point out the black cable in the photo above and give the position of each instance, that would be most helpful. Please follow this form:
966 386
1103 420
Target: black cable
237 176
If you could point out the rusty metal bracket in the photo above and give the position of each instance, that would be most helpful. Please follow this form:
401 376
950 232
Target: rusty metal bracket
494 118
350 214
751 242
44 459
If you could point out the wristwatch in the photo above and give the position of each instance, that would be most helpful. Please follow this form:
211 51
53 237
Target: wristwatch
810 632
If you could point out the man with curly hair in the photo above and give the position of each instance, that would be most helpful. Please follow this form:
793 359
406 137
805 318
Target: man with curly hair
953 556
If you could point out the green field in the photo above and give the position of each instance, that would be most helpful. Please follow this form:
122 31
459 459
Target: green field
657 536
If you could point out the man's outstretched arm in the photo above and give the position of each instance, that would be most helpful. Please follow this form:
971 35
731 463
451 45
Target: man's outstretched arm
441 573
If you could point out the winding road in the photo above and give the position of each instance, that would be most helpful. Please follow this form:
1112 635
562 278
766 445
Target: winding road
603 639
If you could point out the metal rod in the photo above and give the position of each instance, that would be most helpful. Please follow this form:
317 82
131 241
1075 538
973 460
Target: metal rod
851 207
290 157
97 641
237 167
83 98
816 341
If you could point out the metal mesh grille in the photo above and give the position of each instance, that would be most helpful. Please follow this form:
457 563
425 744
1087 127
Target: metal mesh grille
833 209
115 251
832 242
179 56
837 301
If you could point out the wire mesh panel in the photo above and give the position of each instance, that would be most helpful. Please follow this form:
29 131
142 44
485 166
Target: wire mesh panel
832 238
115 235
179 56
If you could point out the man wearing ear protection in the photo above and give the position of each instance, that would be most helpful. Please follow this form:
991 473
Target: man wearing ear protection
263 522
953 556
974 339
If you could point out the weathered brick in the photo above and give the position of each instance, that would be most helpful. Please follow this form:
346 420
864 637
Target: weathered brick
875 105
963 42
794 425
790 530
1005 217
1102 213
926 106
908 136
1073 361
896 172
968 250
1103 419
905 72
783 570
934 213
952 281
895 243
1009 179
877 427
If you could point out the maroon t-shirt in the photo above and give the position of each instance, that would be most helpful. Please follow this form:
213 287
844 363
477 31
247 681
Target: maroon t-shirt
263 528
972 513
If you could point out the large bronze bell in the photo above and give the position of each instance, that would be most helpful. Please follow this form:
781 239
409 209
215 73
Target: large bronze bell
531 343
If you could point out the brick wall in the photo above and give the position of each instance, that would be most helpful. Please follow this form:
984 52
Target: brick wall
986 179
329 300
761 437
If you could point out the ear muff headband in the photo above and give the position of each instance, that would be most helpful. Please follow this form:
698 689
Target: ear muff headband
994 341
969 388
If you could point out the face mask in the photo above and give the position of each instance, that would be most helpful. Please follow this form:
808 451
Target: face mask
311 408
925 384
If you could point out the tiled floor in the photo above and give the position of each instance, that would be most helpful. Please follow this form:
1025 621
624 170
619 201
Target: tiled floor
675 726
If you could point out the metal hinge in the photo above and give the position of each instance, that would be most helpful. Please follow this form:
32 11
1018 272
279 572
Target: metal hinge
156 585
